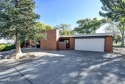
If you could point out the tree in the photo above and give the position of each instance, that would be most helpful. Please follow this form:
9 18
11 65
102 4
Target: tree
87 26
114 9
38 31
17 18
43 26
111 27
117 38
48 27
64 29
121 27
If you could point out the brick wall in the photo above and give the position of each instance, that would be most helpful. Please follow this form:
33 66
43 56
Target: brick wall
71 41
108 44
50 43
62 46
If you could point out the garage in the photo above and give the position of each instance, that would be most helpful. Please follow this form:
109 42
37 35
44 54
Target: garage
101 42
90 44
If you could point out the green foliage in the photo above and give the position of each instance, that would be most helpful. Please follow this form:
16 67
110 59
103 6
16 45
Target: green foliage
111 27
115 10
22 43
38 31
17 17
87 26
63 26
43 27
5 47
64 29
66 32
48 27
117 38
2 46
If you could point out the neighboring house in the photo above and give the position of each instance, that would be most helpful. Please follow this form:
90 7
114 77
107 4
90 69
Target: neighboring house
101 42
30 43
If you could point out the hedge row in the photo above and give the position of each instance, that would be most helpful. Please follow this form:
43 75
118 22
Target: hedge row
6 47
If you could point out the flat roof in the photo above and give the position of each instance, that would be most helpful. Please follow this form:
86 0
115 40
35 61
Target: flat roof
89 35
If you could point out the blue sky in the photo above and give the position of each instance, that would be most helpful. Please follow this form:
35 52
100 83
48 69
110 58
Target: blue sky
54 12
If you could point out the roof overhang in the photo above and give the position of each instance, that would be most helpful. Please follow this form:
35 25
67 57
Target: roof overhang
88 35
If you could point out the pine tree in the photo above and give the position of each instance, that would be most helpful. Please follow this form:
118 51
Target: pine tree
17 19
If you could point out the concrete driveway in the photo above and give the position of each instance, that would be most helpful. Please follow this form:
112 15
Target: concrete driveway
67 67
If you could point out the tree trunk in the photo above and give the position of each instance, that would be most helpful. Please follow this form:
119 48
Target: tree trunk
122 43
18 49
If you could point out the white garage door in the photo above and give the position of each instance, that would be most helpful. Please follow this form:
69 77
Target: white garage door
90 44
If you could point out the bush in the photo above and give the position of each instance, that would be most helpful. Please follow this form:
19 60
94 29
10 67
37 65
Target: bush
117 39
21 43
8 47
5 47
2 46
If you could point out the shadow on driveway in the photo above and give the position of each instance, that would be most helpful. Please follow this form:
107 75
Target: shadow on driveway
68 67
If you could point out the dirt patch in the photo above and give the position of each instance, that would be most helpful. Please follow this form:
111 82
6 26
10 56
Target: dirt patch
25 56
120 50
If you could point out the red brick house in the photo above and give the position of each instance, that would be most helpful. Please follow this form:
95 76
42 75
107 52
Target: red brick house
87 42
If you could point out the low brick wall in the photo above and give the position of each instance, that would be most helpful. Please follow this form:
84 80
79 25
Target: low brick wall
62 45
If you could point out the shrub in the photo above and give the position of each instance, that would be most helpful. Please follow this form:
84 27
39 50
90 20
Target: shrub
5 47
21 43
117 38
8 47
2 46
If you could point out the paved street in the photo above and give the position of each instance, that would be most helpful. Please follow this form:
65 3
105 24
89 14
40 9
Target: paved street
67 67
